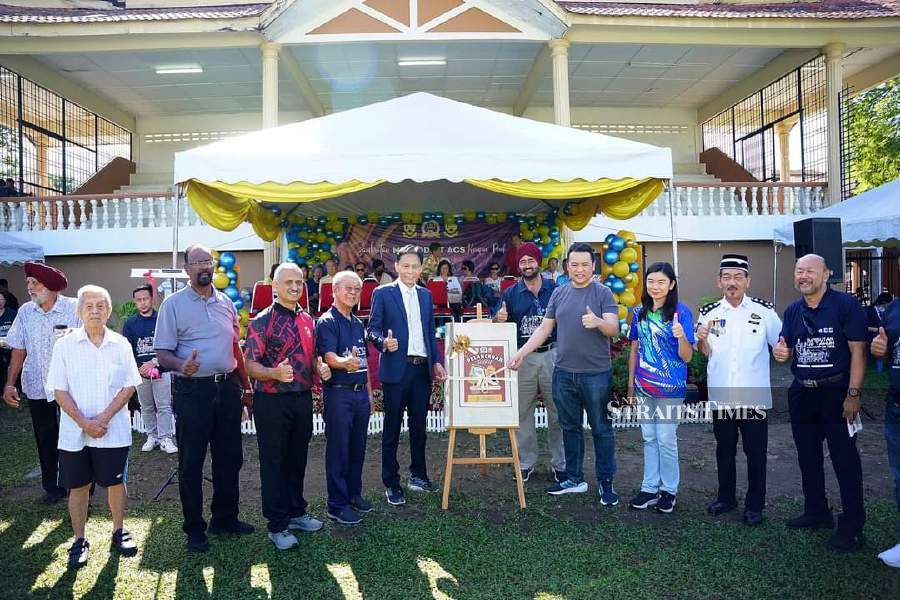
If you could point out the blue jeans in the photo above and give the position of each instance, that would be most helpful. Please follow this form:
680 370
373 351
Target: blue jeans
574 394
659 428
892 437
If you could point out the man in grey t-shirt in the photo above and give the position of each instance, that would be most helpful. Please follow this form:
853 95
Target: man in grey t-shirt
586 316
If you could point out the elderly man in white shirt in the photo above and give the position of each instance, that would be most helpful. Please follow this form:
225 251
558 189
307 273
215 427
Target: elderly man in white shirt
92 375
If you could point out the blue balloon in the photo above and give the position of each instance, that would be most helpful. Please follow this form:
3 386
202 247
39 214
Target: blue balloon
325 246
233 293
610 257
609 239
459 219
275 210
227 260
314 245
634 267
238 304
480 215
284 223
322 219
231 274
618 286
301 261
292 254
607 283
618 244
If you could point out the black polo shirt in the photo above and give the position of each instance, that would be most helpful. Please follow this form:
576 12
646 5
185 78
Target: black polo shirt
526 309
890 320
820 336
336 333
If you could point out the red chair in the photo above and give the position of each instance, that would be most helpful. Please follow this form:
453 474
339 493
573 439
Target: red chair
471 312
438 289
326 297
364 308
262 298
507 282
303 301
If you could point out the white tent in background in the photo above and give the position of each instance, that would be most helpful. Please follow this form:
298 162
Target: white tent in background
869 219
15 251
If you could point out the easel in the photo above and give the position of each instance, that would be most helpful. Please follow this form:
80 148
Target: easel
482 459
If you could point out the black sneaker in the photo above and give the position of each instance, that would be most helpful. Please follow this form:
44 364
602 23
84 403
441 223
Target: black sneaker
344 516
843 541
78 553
394 496
197 542
644 500
526 473
123 542
806 521
717 507
608 495
559 476
753 517
360 504
236 528
417 484
666 502
53 498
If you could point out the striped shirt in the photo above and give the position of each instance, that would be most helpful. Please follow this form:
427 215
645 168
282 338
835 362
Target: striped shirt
93 376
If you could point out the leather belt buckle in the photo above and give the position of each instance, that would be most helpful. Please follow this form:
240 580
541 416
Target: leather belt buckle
220 377
416 360
809 383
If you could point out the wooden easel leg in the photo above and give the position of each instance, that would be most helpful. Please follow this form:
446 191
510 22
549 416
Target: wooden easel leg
482 443
520 485
448 472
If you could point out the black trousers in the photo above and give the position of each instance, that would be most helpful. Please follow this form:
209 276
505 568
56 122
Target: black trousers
208 415
816 416
346 428
411 394
45 422
284 425
754 434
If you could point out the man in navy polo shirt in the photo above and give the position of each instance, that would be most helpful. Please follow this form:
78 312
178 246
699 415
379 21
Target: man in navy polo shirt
341 340
525 303
825 333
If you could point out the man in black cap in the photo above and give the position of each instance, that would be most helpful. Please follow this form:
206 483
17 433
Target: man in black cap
736 333
48 316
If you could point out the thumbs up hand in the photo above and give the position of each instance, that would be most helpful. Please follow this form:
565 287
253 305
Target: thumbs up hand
589 319
879 343
502 315
390 342
677 329
190 366
284 372
352 362
323 369
703 332
781 352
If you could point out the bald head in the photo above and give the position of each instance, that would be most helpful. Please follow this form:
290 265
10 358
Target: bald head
812 260
810 275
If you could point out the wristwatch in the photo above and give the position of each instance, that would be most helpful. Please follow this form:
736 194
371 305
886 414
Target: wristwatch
853 392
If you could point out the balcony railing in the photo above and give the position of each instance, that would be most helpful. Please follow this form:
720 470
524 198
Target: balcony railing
740 199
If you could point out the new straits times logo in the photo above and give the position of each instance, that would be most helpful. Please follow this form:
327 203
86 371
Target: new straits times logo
675 411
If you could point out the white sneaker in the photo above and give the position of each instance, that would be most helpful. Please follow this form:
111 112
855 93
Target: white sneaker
891 557
168 446
283 540
150 444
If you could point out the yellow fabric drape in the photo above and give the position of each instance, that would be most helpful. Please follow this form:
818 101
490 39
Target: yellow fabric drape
227 205
616 198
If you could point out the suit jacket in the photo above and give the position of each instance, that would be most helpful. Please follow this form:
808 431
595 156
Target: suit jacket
389 312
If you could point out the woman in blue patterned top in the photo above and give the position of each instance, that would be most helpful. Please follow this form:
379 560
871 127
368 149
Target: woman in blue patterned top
662 334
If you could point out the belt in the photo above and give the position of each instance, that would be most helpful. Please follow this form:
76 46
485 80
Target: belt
356 387
544 348
214 378
416 360
814 383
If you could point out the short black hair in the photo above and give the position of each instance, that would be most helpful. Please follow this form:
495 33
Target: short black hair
410 249
494 265
4 282
434 246
377 263
883 297
468 264
142 288
359 264
580 247
272 271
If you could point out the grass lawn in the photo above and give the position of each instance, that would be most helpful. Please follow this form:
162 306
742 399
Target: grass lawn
484 547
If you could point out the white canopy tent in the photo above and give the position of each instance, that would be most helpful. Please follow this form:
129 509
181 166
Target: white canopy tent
869 219
15 250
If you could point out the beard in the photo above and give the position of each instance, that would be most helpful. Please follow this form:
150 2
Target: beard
530 274
204 278
40 298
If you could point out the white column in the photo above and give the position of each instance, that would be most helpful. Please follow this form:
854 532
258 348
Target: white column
834 83
271 250
783 131
560 52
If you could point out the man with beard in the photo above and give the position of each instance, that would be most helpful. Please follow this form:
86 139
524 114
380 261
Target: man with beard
824 335
525 304
39 323
735 333
197 339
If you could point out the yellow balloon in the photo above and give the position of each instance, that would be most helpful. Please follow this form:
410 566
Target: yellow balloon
630 280
628 255
605 269
620 269
626 235
221 281
623 312
627 298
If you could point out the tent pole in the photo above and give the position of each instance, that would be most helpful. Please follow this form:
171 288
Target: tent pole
774 270
175 196
670 193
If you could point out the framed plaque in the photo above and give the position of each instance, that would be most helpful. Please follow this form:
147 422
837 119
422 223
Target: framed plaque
482 390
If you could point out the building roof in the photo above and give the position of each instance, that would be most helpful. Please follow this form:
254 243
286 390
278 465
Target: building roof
24 14
823 9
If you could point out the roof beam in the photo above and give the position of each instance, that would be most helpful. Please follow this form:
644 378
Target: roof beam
301 81
874 74
538 67
66 44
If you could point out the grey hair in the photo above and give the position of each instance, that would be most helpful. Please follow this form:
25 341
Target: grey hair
342 275
92 290
286 266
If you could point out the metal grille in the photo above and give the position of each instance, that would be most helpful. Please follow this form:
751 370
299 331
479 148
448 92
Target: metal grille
848 181
49 145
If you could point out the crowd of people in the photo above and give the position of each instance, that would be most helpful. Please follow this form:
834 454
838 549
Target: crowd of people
196 383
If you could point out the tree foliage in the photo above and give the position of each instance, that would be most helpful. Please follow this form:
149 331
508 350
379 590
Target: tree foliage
875 134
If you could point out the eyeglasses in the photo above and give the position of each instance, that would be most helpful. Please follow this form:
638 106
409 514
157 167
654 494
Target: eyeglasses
202 263
495 268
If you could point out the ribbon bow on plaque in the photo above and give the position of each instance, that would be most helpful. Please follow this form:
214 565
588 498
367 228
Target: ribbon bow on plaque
462 344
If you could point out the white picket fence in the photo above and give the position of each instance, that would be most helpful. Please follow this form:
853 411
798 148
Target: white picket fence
436 421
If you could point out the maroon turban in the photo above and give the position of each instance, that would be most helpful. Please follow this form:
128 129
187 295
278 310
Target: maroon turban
52 278
529 249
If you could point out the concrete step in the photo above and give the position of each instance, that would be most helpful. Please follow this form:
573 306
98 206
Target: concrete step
696 168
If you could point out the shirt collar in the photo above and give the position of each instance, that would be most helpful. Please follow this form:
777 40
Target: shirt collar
406 289
193 295
81 336
545 285
745 302
283 309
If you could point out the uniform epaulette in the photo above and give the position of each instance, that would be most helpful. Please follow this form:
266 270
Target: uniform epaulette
765 303
708 307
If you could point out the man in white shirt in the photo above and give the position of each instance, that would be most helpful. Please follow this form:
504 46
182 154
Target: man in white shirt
92 375
379 273
735 333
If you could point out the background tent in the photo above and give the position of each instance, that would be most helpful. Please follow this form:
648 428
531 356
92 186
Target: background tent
417 153
15 250
869 219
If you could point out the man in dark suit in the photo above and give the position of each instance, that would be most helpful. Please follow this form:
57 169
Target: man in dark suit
401 326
